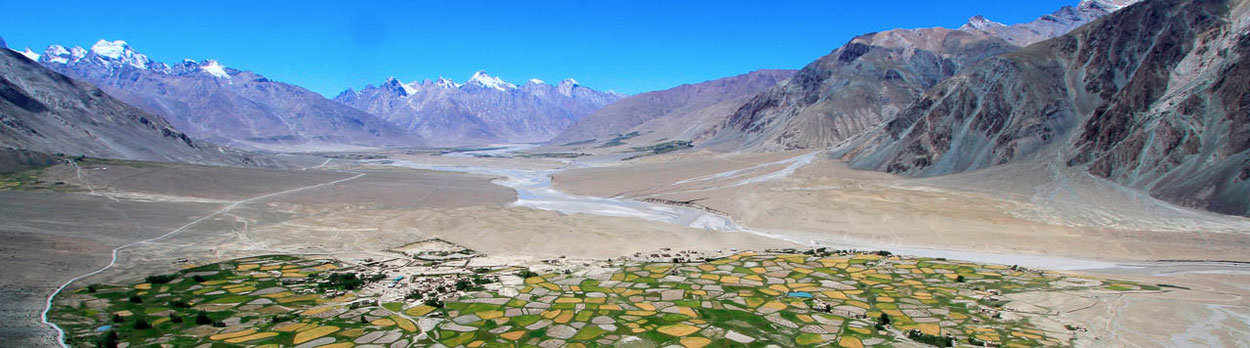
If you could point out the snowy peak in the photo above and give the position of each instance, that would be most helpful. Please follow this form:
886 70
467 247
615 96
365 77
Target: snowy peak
444 82
29 54
536 82
566 87
403 89
1107 5
59 55
111 49
1057 23
981 23
118 52
480 78
212 67
113 55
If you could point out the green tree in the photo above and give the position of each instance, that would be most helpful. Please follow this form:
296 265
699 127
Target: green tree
202 318
107 340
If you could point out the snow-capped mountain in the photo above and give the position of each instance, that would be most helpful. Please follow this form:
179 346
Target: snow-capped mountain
29 54
483 110
46 112
209 100
1054 24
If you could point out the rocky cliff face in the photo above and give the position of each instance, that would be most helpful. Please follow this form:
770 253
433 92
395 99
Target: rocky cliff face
220 104
484 110
673 111
872 78
47 112
1154 97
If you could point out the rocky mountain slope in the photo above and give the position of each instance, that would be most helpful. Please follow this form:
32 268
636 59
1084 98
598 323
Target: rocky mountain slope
1155 96
213 102
675 112
483 110
47 112
874 76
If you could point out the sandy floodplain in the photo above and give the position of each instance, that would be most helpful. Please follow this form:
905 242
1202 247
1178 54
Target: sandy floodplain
526 209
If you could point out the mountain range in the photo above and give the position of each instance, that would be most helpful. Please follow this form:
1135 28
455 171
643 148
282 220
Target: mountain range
874 76
1150 95
46 112
679 112
483 110
223 105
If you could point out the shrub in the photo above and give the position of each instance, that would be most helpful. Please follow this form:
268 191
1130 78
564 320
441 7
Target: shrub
434 302
526 273
136 299
414 295
107 340
141 324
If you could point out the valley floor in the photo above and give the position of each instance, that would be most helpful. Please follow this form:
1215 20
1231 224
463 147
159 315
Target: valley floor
66 222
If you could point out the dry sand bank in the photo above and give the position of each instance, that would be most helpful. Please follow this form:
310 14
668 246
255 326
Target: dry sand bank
829 203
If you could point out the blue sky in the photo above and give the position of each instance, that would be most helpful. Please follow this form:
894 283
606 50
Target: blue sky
627 46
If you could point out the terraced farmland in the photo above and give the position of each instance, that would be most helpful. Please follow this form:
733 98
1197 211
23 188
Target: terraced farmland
748 299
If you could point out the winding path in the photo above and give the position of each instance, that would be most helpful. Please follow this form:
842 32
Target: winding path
60 334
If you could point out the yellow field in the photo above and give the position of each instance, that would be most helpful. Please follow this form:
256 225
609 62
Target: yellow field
314 333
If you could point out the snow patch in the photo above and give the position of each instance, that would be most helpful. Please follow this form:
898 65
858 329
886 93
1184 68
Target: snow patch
56 54
77 53
110 49
29 54
214 68
117 51
446 83
982 23
537 81
566 87
482 79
